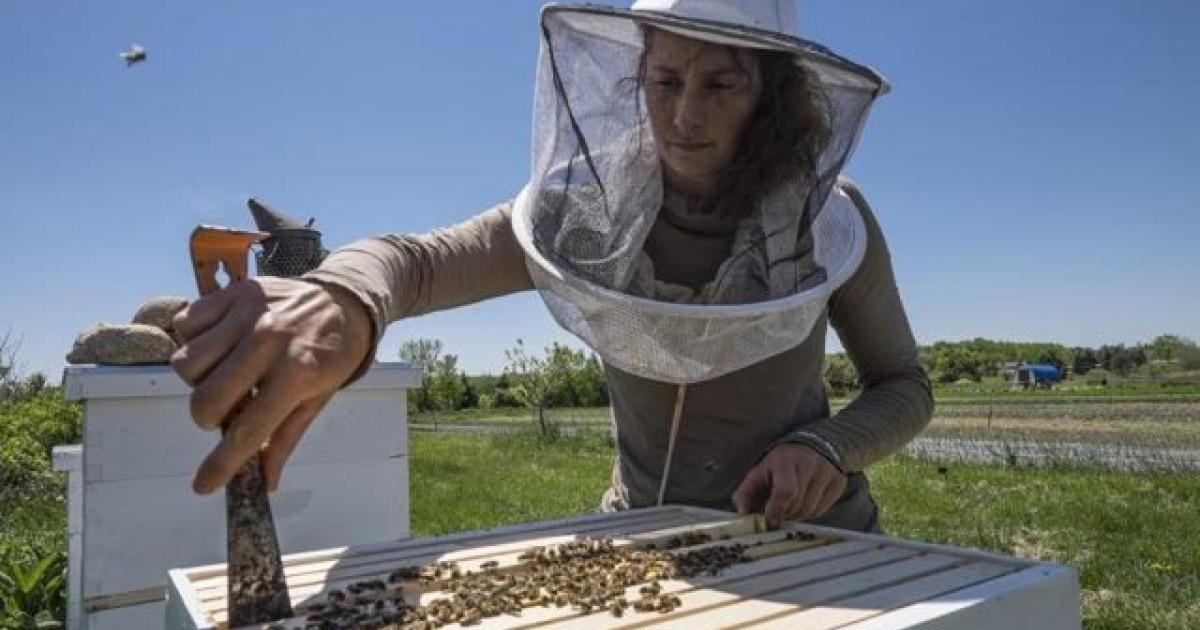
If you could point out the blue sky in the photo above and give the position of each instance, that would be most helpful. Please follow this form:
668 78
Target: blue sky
1034 168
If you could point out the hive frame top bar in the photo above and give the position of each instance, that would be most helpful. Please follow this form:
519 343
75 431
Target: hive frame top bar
187 609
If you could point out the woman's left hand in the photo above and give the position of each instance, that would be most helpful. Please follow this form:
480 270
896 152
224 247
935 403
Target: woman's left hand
796 481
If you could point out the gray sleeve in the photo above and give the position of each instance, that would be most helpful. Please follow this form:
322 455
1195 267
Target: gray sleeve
896 402
405 275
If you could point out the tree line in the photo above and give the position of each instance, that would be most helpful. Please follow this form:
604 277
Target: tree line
564 377
949 362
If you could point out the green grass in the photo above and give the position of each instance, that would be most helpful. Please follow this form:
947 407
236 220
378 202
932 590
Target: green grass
1134 537
513 415
466 481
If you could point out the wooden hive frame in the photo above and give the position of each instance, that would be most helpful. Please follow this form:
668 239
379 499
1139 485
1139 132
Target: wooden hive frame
826 579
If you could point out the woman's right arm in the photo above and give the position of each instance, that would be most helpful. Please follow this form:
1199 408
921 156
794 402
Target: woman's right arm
295 342
398 276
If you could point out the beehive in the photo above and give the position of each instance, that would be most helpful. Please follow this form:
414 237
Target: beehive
798 577
133 515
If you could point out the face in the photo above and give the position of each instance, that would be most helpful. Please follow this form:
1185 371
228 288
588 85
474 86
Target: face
699 97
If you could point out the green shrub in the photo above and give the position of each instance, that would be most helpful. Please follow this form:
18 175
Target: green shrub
29 430
33 590
1098 376
47 418
24 468
32 511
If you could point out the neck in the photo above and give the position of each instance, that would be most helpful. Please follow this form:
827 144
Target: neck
697 214
687 186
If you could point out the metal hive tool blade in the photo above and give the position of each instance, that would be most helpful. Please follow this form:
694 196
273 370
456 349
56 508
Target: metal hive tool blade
257 591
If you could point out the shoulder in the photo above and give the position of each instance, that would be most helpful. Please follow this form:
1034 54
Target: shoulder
875 269
850 189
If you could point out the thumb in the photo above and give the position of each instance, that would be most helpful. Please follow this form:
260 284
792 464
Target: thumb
748 496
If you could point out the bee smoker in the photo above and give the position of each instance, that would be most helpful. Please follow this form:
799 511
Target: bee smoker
291 249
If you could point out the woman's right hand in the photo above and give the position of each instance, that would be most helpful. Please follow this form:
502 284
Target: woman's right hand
292 342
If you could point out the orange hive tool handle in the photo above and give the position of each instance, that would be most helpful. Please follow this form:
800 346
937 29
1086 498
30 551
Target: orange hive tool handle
216 247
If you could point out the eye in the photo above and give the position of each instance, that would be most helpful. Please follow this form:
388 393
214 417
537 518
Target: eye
722 84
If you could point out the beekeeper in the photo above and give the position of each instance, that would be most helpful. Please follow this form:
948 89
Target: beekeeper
686 218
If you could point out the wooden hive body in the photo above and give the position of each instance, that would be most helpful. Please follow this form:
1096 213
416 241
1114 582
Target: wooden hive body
133 515
825 579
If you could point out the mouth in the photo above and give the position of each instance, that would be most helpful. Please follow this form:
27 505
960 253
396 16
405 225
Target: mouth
691 146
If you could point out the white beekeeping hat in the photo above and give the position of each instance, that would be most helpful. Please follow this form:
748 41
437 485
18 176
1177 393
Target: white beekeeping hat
596 187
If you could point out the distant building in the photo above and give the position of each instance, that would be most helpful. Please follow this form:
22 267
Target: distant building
1035 375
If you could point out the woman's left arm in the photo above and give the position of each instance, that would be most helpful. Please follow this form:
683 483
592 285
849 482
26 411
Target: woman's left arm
804 473
896 402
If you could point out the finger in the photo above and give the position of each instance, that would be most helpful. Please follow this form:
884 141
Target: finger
784 487
201 314
748 496
250 362
194 359
833 492
813 488
246 434
804 489
285 438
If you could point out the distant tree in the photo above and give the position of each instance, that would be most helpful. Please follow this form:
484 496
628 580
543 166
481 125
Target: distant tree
1120 359
470 396
1171 348
10 376
536 380
504 392
1053 354
952 362
1189 355
425 354
589 384
445 384
422 352
1083 360
14 386
567 363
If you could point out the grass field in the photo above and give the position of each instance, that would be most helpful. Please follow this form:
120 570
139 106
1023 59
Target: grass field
1132 536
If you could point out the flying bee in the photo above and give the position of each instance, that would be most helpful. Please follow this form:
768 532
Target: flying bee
135 54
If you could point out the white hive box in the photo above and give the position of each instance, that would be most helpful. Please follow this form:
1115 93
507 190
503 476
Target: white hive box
836 580
134 515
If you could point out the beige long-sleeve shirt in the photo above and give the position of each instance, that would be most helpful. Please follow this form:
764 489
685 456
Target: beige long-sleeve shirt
727 423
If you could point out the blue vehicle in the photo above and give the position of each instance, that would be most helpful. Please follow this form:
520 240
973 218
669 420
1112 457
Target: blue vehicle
1036 375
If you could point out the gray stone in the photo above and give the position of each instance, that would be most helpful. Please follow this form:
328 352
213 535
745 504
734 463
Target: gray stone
159 311
126 344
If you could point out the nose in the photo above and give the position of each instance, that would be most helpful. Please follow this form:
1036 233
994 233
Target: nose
690 108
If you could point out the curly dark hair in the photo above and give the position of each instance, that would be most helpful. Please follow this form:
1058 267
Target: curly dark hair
784 136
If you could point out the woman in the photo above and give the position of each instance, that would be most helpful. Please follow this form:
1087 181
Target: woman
684 218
